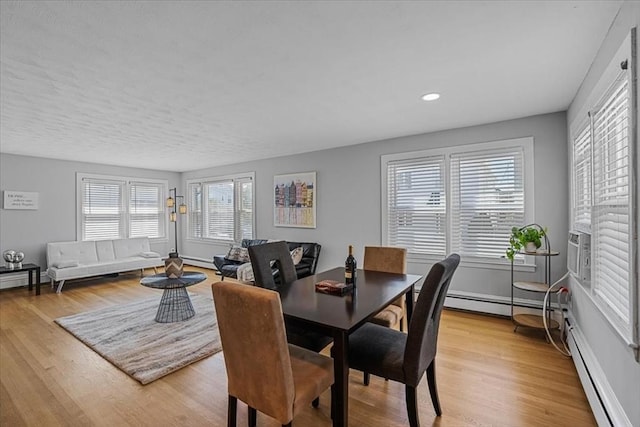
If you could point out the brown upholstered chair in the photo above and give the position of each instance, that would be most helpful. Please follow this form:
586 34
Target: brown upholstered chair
262 257
390 260
402 357
269 375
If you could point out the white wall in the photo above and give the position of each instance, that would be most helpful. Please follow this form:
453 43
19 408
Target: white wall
55 220
348 195
615 360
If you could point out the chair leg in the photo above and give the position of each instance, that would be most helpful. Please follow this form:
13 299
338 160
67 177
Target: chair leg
232 411
316 402
401 324
253 416
433 390
365 378
411 398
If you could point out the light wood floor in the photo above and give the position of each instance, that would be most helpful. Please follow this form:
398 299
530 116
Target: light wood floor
487 375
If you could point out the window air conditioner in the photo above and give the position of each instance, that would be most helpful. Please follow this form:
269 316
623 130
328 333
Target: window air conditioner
579 257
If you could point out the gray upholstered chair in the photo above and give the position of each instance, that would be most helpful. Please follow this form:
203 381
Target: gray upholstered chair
402 357
269 375
262 257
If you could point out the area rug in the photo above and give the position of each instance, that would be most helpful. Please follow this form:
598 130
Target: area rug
130 338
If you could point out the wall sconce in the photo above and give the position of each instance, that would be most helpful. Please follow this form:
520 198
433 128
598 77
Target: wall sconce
172 202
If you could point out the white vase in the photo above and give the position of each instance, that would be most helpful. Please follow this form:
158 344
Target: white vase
530 247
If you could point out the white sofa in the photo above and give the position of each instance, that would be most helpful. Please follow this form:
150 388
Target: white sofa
74 260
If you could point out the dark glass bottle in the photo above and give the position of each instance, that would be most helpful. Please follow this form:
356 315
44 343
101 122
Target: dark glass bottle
350 268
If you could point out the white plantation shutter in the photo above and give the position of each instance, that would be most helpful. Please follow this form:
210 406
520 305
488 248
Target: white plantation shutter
194 212
221 209
416 206
582 180
102 209
245 208
611 229
487 200
146 210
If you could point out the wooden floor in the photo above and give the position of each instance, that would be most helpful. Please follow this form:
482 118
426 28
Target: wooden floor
487 374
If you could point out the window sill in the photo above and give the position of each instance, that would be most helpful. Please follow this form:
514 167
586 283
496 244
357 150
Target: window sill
485 264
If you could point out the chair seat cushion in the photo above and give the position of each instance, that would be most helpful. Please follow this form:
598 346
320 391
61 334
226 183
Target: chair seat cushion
312 375
378 350
389 317
305 338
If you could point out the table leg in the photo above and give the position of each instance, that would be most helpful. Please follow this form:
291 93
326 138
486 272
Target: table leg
409 303
175 306
30 272
341 378
37 273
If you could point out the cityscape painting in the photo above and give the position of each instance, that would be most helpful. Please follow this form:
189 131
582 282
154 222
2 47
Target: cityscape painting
295 200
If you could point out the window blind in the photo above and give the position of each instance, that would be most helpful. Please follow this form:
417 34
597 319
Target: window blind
416 205
221 209
582 179
611 228
487 200
146 210
245 208
103 213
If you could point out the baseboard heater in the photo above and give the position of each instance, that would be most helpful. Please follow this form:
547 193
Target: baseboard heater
588 384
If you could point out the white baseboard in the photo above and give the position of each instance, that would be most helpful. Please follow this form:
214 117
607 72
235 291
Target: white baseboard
20 279
494 304
606 408
199 262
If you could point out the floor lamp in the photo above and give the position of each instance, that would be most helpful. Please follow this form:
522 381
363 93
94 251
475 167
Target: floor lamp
172 202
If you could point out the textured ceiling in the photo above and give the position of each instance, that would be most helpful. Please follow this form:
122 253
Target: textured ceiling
180 86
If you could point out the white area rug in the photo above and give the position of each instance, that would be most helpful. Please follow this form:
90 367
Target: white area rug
130 338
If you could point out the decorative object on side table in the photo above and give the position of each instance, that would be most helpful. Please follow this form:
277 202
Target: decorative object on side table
14 259
174 264
527 239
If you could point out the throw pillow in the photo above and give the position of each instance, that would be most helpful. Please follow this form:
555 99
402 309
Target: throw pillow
149 254
67 264
237 253
296 255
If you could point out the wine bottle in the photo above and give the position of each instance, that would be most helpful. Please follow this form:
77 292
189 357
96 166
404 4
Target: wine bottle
350 268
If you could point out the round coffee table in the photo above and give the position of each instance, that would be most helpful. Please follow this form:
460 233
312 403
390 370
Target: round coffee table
175 304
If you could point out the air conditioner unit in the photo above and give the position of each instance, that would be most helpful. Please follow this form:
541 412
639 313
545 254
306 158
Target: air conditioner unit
579 257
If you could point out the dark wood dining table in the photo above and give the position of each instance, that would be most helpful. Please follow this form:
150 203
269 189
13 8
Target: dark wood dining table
339 316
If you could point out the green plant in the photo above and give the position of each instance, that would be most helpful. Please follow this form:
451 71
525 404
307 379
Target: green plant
521 236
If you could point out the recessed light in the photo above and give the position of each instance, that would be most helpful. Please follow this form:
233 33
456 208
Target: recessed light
431 96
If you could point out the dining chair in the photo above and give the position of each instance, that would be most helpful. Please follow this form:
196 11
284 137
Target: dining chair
401 357
389 260
263 371
262 257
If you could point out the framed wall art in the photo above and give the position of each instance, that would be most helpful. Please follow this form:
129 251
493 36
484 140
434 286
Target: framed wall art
294 200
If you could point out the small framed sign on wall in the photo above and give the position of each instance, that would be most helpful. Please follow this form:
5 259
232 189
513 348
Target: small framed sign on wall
23 200
294 203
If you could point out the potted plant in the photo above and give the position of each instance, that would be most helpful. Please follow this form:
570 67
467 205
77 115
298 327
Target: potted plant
525 239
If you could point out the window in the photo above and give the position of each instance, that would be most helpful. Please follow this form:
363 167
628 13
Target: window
582 179
604 193
461 199
114 207
221 208
611 201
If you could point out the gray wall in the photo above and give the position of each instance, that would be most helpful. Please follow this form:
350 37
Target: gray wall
349 195
55 220
616 360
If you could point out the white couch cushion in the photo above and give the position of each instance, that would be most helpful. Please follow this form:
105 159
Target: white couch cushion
125 248
105 251
82 252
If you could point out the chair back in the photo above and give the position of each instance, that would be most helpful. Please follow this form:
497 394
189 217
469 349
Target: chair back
422 339
255 348
261 257
384 258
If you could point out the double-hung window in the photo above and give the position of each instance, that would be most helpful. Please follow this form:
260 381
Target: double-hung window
221 208
116 207
605 194
462 199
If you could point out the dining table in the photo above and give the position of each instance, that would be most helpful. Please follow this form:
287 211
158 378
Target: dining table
339 316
